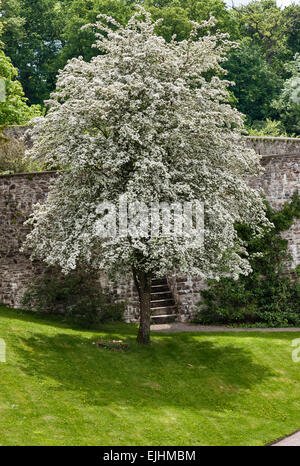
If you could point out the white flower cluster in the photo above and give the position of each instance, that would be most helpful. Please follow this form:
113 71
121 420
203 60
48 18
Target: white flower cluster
148 120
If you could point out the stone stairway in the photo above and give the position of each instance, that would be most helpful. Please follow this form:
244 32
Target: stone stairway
163 307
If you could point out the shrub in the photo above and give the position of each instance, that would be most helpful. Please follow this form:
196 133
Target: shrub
76 295
268 127
269 295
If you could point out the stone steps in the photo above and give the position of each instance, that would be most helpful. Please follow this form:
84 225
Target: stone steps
159 311
159 289
161 295
158 303
163 307
159 281
164 319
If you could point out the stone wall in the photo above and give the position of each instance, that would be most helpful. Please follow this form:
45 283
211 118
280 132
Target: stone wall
17 195
280 179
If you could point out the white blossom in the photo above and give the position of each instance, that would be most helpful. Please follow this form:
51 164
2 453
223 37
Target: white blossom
148 120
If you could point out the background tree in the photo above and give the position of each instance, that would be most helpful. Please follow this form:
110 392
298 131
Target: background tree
292 13
177 15
268 127
256 82
13 107
288 104
32 38
78 42
176 19
142 121
269 36
199 10
268 26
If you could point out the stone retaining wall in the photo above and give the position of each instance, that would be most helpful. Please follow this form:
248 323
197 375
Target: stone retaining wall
281 178
18 193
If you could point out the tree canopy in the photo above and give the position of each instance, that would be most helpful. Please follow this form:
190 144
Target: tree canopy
32 39
256 82
13 103
145 122
41 36
288 103
13 107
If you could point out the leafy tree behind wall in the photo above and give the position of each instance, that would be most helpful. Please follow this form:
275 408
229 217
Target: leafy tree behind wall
272 36
77 42
13 105
293 34
288 104
268 27
256 82
13 109
32 38
177 15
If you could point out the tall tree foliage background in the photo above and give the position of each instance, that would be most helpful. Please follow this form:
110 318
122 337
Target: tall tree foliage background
269 39
288 104
32 37
41 36
13 105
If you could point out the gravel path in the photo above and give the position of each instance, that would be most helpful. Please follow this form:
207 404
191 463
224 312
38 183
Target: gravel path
186 327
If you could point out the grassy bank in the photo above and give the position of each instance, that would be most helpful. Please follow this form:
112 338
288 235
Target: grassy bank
58 388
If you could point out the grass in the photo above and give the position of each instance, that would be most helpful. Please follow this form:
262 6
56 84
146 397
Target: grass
57 388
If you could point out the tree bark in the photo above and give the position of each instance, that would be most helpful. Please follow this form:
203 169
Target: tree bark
143 284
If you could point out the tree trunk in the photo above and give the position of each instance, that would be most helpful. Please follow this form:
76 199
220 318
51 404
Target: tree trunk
143 284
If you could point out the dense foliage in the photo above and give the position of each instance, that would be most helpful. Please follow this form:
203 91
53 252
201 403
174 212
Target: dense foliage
13 105
41 36
268 296
256 84
32 39
288 104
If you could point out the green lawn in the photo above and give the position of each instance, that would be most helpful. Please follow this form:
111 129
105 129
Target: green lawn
57 388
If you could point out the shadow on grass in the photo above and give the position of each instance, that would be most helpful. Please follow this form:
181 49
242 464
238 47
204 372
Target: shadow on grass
60 321
173 371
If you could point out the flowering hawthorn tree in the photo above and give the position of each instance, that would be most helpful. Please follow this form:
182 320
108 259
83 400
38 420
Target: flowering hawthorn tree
147 120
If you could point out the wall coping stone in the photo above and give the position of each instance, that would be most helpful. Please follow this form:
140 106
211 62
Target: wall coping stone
275 138
259 139
278 138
